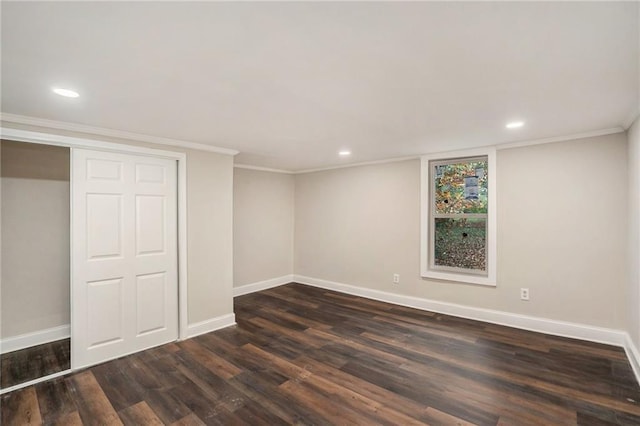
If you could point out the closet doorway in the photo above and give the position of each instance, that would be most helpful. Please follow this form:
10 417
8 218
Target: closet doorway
123 249
35 240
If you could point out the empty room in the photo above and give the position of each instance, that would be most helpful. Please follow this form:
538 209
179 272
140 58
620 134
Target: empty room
328 213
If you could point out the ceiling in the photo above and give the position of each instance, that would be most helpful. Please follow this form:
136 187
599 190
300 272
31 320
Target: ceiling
291 84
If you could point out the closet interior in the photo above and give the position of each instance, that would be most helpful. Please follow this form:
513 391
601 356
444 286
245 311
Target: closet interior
35 256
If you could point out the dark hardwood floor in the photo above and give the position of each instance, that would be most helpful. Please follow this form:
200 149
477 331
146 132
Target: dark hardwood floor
301 355
34 362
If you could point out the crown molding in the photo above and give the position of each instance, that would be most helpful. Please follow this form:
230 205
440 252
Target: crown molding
364 163
262 169
508 145
138 137
591 134
632 118
119 134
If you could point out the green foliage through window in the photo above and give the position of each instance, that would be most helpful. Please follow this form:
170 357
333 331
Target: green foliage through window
461 187
459 214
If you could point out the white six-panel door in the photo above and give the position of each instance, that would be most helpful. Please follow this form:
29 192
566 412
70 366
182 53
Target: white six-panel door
125 285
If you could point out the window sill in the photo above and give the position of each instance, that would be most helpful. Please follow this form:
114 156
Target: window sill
460 278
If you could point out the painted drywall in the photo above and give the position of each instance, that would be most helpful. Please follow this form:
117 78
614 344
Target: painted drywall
262 225
210 225
562 220
210 235
634 232
35 237
1 245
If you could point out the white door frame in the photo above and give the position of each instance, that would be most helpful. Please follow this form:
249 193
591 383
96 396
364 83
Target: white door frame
180 157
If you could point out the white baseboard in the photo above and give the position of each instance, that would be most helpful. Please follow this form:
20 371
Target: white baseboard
634 355
262 285
212 324
541 325
22 341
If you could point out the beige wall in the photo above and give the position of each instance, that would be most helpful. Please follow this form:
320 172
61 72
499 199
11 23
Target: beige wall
210 234
562 230
262 225
210 225
35 237
634 232
562 214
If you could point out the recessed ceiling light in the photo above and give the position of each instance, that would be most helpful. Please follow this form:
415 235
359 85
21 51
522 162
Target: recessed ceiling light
65 92
344 153
514 124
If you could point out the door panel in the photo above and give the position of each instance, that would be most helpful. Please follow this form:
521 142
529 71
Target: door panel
150 219
104 302
104 226
150 303
125 285
150 173
105 170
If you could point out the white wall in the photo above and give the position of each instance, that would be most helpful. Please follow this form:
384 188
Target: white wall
634 233
562 221
262 225
35 238
210 225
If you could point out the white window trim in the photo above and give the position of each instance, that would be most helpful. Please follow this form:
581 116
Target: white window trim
425 211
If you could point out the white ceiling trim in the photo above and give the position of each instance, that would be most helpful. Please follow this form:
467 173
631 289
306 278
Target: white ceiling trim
632 118
591 134
508 145
262 169
364 163
99 131
119 134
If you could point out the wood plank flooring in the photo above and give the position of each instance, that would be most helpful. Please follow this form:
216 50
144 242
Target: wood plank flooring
301 355
34 362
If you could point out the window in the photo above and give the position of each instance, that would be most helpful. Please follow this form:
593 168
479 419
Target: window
458 217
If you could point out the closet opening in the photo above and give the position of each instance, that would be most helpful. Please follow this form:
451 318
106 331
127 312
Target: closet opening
35 261
73 212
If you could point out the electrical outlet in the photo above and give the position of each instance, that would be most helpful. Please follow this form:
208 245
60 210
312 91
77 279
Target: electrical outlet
524 294
396 278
